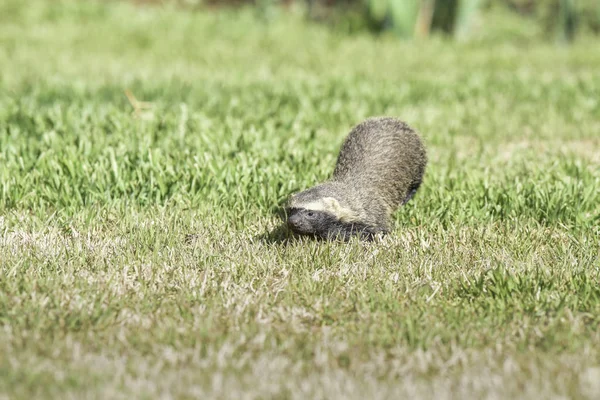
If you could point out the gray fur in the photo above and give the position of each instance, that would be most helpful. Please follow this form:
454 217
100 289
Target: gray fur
379 168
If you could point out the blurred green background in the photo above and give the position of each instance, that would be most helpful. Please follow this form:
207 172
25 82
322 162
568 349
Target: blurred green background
560 20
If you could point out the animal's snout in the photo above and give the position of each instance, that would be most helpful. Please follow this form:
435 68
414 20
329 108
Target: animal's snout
294 221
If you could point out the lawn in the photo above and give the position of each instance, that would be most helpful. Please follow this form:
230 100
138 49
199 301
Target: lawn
141 254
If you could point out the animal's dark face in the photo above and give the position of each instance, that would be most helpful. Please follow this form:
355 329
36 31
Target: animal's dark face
310 222
326 226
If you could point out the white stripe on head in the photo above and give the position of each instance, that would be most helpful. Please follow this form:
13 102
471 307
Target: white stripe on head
332 206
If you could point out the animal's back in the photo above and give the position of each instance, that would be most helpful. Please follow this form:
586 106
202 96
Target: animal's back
384 159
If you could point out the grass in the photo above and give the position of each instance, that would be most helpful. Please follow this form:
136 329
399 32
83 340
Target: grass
489 287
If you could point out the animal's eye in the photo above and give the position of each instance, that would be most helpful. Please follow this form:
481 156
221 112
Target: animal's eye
311 214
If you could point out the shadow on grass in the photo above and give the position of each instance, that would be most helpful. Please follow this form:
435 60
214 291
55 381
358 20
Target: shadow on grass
281 234
278 235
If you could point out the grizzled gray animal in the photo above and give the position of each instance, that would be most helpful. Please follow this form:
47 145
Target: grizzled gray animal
379 168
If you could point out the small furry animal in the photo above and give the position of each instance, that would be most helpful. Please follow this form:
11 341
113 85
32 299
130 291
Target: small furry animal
380 167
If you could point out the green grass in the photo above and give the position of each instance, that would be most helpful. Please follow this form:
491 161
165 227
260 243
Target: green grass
489 287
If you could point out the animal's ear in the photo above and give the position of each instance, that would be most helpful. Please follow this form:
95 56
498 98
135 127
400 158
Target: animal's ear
334 207
331 204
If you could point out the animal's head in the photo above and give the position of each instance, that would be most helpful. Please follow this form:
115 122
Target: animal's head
318 211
